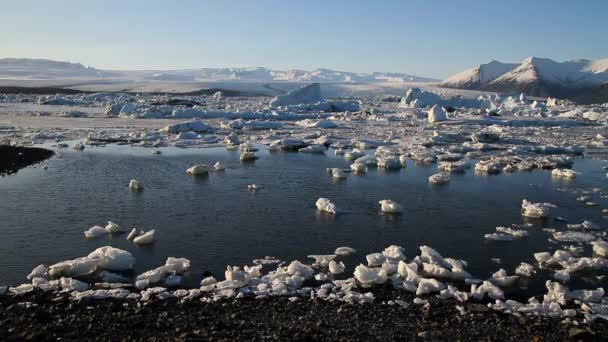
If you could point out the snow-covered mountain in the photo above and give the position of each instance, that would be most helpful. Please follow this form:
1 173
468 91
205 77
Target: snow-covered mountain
478 76
534 76
25 68
22 68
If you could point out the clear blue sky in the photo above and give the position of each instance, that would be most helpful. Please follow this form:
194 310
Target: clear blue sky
427 38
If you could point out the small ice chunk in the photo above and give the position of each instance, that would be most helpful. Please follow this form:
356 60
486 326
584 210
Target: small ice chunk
198 170
501 279
336 268
39 271
133 234
390 207
426 286
94 232
113 259
600 247
218 166
394 252
112 227
525 270
248 156
324 204
135 185
369 276
298 268
375 259
145 238
436 114
439 178
536 210
338 173
69 284
323 260
345 251
564 173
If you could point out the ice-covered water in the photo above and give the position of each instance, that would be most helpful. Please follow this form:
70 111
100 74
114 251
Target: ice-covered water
216 221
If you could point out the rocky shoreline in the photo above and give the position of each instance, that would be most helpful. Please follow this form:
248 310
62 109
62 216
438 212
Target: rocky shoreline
14 158
51 315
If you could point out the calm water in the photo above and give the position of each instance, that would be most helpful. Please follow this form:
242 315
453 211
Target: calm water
215 221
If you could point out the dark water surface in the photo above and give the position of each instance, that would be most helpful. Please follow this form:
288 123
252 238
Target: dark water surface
215 221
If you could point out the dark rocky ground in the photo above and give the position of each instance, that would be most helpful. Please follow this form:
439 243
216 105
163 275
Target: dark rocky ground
13 158
54 316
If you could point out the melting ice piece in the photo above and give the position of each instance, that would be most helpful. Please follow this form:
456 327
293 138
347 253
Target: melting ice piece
323 260
394 253
600 247
69 285
501 279
338 173
39 271
370 276
336 268
112 227
132 234
248 156
135 185
375 259
357 167
564 173
298 268
200 169
536 210
390 207
94 232
525 270
218 166
345 251
253 187
323 204
436 114
439 178
79 146
145 238
426 286
313 149
113 259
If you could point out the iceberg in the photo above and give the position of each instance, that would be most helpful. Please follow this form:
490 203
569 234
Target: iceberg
305 95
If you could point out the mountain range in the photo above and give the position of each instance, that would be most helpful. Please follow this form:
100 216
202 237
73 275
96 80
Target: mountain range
537 77
24 68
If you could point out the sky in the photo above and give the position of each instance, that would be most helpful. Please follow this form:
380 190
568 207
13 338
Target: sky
430 38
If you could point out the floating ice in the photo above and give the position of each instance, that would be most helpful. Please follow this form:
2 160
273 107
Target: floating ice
145 238
132 234
600 247
564 173
535 210
188 126
79 146
248 156
439 178
135 185
112 227
94 232
388 206
313 149
501 278
323 204
218 166
573 237
345 251
198 170
358 167
525 270
253 187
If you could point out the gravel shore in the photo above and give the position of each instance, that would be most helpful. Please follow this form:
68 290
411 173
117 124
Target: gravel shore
52 316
